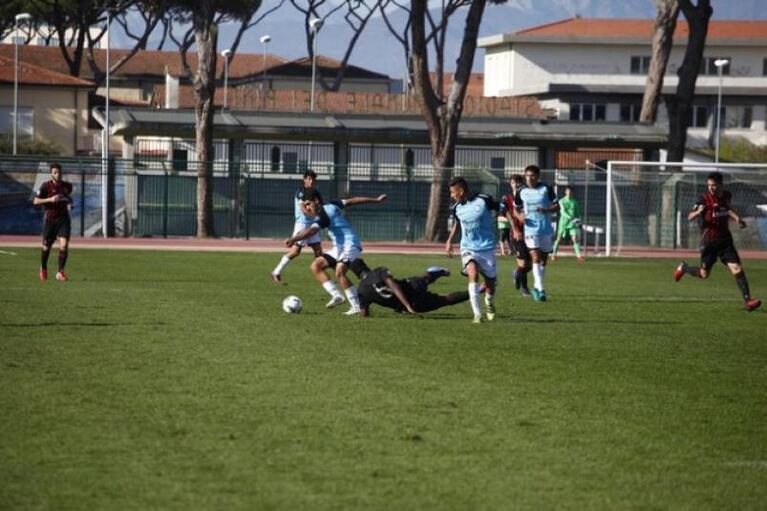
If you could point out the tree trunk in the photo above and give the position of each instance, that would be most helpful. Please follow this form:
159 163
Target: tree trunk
206 39
442 115
680 106
663 36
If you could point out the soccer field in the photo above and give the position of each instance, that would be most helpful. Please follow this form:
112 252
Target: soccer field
173 380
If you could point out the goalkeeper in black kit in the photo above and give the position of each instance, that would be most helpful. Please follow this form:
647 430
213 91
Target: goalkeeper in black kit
406 296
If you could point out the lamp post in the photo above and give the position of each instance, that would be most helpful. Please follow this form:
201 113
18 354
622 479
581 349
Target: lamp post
315 24
719 63
19 18
105 140
226 54
265 40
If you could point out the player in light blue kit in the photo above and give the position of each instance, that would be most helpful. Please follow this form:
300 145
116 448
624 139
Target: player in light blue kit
536 202
347 246
474 216
302 222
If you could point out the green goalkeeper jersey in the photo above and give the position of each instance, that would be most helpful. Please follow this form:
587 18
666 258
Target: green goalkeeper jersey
569 211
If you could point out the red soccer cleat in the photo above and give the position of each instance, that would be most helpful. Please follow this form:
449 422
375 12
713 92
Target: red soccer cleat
581 259
753 304
61 276
43 274
680 271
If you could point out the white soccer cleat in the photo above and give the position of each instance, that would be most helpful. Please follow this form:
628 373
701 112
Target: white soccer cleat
335 301
353 311
477 320
490 305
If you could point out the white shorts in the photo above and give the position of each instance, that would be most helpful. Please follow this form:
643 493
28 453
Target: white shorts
311 240
485 260
346 254
540 242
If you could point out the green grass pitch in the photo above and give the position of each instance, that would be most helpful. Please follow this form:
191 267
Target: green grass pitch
173 380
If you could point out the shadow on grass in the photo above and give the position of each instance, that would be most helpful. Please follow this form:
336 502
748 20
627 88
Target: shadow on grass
520 319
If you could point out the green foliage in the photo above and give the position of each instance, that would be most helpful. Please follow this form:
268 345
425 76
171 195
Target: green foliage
740 150
29 145
169 380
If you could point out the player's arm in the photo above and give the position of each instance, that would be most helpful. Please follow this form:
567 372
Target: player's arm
392 284
302 235
732 214
696 211
554 202
356 201
453 232
41 197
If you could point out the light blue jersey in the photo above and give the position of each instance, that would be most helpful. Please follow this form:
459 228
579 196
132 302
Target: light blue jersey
301 195
529 200
340 230
477 222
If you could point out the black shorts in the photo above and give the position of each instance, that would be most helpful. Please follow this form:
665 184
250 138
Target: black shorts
722 249
61 228
520 249
416 290
505 235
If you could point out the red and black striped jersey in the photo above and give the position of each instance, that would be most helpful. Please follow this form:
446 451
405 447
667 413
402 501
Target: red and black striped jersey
714 221
56 210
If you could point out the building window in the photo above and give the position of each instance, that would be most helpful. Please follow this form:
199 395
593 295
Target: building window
737 117
764 67
630 113
275 158
708 68
640 65
497 163
588 112
699 117
26 126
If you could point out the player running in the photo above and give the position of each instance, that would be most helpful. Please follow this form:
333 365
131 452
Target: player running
406 296
347 246
518 247
56 197
473 215
568 224
714 211
537 201
302 222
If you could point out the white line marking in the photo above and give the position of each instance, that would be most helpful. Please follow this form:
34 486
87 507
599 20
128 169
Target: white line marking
7 253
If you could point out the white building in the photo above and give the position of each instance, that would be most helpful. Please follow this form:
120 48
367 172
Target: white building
44 35
595 69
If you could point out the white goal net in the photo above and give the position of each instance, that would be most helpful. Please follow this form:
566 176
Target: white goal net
646 204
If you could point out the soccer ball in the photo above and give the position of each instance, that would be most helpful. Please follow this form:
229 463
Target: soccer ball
292 304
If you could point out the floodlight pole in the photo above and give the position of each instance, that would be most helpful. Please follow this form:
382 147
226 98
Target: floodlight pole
315 25
105 140
265 41
719 63
17 20
226 54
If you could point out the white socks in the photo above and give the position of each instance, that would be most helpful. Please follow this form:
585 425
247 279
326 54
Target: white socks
283 263
538 274
331 288
353 297
474 299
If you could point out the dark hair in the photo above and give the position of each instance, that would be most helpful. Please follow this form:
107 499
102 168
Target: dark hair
534 169
458 181
310 173
716 177
311 195
55 166
517 178
568 187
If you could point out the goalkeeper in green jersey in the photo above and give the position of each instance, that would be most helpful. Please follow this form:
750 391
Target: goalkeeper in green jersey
569 223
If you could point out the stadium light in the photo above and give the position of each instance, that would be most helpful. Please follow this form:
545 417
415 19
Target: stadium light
719 63
315 25
265 40
22 17
226 54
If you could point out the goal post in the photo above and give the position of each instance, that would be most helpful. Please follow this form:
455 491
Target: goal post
646 203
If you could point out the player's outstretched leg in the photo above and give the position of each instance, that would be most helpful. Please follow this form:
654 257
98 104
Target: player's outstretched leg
44 254
750 303
490 299
435 272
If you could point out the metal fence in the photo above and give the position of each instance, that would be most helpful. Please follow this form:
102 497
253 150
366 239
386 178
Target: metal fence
159 197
